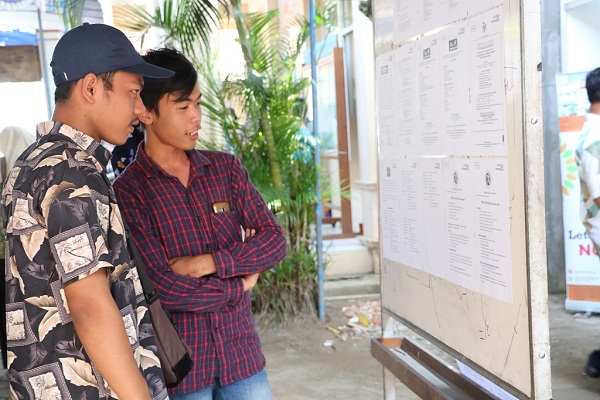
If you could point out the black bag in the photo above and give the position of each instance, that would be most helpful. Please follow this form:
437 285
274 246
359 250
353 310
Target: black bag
174 353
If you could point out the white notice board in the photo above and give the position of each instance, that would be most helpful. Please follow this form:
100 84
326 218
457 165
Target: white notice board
461 182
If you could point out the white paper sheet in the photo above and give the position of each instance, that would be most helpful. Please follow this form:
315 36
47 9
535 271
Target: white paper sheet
452 10
406 93
411 227
389 182
386 114
486 69
430 15
490 180
483 382
407 14
432 214
428 92
460 223
455 90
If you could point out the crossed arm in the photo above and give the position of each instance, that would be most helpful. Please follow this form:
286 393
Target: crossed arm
202 265
206 282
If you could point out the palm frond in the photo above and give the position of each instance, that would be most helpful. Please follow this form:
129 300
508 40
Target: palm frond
186 23
71 12
265 100
133 18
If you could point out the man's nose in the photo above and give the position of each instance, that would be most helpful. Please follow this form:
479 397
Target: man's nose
138 106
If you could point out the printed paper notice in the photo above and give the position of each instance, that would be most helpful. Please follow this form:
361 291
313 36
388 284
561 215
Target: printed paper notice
389 181
487 83
428 92
430 15
452 10
455 93
460 223
406 20
406 92
388 137
410 225
490 178
431 208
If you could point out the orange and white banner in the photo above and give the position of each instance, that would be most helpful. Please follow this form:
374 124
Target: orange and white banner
582 265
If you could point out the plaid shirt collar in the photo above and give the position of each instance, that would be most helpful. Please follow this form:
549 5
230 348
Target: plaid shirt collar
150 168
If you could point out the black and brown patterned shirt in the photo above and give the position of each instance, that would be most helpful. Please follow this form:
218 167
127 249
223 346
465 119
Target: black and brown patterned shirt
63 224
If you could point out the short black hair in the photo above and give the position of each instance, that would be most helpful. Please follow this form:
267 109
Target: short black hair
63 91
181 84
592 85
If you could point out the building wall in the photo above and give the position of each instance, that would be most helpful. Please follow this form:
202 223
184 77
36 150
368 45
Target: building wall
551 16
580 35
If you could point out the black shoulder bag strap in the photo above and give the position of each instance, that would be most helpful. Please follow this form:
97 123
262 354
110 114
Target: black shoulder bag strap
3 340
174 353
150 291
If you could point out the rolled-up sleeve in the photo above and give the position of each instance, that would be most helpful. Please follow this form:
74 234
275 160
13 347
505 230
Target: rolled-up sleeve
262 251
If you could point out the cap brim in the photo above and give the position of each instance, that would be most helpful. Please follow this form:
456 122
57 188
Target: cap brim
149 71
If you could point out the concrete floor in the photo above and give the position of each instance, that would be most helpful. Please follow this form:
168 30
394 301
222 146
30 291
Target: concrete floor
572 335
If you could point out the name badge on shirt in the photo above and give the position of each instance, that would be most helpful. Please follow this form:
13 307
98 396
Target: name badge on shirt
220 207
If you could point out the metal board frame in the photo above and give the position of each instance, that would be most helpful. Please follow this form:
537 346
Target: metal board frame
522 41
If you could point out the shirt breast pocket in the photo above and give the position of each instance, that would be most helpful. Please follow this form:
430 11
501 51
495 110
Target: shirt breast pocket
226 228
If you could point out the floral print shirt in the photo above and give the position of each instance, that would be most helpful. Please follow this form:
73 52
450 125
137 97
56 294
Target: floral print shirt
62 225
587 155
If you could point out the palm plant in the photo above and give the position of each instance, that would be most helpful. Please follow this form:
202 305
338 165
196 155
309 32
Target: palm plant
265 137
71 12
187 24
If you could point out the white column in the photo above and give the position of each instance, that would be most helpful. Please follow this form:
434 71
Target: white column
364 61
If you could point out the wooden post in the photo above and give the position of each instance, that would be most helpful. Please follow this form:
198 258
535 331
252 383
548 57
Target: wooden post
342 134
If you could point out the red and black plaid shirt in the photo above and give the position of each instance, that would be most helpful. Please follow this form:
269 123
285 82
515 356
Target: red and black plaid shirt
168 220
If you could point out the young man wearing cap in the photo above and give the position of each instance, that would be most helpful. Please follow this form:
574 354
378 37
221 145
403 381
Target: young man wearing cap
186 209
76 321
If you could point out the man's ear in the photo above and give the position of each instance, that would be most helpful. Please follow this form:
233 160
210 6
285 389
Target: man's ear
146 117
88 87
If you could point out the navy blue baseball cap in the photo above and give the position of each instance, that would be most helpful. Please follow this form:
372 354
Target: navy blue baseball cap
96 49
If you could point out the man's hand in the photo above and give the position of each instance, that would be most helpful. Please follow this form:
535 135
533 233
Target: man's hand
249 233
199 266
194 266
249 281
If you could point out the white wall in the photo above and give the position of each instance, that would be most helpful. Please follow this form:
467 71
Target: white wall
580 35
364 73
